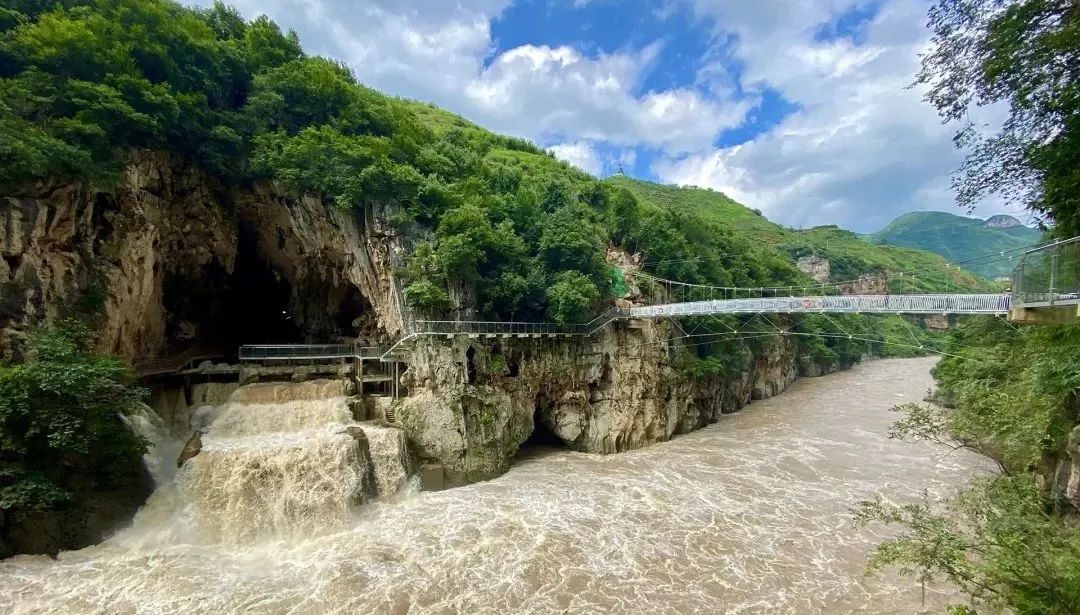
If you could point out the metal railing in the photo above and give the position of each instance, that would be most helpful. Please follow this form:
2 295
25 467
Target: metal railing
467 327
1048 275
312 352
855 304
175 363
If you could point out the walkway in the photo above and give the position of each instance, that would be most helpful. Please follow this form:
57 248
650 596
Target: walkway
845 304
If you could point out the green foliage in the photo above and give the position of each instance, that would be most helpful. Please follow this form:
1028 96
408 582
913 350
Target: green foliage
569 241
1020 54
60 415
745 249
82 84
571 297
995 541
427 296
1013 397
1013 389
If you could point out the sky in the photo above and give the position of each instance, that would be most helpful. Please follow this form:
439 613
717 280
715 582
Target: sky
800 108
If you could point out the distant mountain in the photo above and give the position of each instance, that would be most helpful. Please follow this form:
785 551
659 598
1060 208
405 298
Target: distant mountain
960 239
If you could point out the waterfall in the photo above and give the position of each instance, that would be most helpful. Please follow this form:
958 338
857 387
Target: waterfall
250 487
278 460
160 458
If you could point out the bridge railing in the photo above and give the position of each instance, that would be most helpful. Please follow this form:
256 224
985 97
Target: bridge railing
460 327
1048 275
870 304
290 352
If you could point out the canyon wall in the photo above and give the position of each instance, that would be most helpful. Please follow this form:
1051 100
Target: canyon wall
170 261
474 402
175 260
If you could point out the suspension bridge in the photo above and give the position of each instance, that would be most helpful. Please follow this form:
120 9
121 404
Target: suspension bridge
1045 288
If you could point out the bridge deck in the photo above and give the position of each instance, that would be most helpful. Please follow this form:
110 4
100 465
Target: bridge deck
851 304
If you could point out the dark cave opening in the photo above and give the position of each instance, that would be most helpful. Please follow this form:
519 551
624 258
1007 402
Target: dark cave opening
222 310
470 365
542 439
256 308
263 301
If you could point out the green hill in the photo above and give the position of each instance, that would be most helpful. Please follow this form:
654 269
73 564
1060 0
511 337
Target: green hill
960 239
494 227
849 255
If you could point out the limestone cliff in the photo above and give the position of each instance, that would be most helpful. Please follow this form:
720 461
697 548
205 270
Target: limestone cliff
178 260
175 260
474 402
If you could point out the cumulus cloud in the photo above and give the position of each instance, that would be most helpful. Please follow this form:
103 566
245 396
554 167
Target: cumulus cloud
559 92
443 52
580 154
861 149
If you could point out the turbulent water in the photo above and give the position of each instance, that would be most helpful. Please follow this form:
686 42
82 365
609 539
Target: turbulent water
747 516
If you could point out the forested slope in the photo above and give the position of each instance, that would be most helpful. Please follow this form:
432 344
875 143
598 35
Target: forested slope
849 256
960 239
493 227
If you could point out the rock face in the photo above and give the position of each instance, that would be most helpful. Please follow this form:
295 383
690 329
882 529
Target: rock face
936 322
473 403
866 285
172 260
1002 221
814 266
1067 477
176 260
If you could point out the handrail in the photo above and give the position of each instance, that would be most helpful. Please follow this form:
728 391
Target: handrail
285 352
1049 275
175 363
870 304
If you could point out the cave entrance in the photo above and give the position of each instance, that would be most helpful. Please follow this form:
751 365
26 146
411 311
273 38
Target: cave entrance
256 308
222 310
542 440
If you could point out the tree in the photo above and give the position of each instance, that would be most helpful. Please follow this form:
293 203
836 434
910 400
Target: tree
427 296
571 297
60 416
266 47
569 240
1024 54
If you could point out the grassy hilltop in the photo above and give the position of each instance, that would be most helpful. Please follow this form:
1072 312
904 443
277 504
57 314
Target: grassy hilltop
959 238
849 255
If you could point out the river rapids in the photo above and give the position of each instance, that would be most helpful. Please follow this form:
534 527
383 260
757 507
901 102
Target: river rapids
751 515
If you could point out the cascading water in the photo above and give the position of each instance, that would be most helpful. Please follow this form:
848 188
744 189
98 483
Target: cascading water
277 460
160 459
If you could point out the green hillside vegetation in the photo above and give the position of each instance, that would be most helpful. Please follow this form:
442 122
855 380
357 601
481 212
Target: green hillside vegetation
849 255
498 228
958 239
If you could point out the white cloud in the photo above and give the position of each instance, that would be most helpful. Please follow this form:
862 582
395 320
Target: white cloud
559 93
443 52
861 149
580 154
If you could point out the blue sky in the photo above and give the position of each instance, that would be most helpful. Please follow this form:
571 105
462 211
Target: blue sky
797 107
